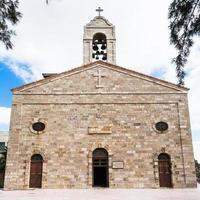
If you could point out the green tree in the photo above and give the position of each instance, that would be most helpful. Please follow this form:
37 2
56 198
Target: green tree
9 15
197 167
3 155
184 16
3 159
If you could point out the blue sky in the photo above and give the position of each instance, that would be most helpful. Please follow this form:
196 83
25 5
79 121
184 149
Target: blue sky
158 73
8 81
51 41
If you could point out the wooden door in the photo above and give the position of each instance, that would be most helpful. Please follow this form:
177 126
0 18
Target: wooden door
165 175
36 171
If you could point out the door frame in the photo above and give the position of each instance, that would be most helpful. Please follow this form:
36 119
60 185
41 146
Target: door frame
36 161
107 166
167 160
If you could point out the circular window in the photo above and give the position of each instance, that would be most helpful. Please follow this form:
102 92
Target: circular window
161 126
38 126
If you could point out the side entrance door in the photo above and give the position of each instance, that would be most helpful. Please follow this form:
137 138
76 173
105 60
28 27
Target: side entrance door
36 171
165 175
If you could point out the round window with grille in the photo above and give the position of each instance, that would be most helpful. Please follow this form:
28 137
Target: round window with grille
161 126
38 126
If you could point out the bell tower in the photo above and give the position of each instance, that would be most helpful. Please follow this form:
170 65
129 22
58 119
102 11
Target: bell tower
99 41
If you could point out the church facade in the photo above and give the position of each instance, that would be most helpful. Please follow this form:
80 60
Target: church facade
100 125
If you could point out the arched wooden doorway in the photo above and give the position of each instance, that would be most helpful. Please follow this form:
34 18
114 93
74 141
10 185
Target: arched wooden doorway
165 174
36 171
100 168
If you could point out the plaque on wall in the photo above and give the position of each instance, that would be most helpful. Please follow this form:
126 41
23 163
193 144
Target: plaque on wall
100 130
118 164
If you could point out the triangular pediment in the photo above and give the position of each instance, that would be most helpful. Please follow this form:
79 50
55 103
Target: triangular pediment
99 21
99 77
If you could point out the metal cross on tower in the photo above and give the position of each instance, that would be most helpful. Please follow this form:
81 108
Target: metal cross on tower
99 10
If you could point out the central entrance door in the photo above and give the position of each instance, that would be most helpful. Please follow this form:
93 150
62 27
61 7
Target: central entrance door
165 175
100 168
36 171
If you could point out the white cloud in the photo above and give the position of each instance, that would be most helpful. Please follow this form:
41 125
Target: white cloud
23 71
192 81
4 115
196 146
51 40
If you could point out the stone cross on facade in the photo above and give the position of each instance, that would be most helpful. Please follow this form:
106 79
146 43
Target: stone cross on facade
99 10
99 76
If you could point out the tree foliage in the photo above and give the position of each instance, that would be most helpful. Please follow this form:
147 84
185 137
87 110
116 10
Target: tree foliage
9 15
3 155
184 18
3 159
197 166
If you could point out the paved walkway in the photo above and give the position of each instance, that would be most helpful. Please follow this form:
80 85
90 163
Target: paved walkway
102 194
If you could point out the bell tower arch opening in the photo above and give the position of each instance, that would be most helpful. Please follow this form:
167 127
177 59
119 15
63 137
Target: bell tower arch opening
99 41
99 46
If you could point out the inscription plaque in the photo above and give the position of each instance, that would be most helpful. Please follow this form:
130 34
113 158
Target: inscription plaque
118 164
100 130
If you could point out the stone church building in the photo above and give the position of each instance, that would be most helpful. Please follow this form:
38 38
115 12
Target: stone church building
100 125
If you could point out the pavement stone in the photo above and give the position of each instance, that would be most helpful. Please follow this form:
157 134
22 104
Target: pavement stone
102 194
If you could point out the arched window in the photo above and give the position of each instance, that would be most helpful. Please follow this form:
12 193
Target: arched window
165 174
36 157
163 156
100 153
100 168
99 46
36 171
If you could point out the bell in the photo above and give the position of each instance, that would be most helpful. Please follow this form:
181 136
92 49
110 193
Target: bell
97 52
93 55
103 47
102 52
104 57
97 57
95 47
99 41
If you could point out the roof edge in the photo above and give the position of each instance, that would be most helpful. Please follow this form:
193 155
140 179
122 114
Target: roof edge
96 18
50 76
